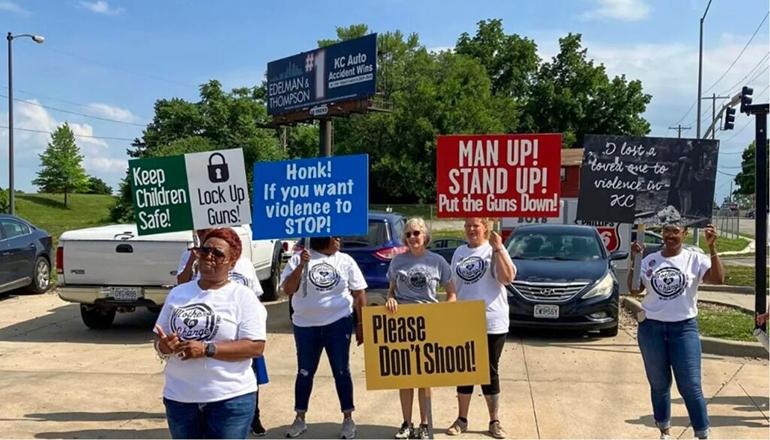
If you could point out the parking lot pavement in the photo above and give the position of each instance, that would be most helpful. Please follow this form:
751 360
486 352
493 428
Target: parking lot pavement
59 379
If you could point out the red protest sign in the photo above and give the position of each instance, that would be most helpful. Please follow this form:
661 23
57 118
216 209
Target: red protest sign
498 175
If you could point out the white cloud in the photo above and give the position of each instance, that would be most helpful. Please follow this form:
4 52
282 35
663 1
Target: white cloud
101 7
624 10
13 7
112 112
106 164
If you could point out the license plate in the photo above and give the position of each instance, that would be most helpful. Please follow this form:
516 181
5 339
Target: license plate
125 293
549 311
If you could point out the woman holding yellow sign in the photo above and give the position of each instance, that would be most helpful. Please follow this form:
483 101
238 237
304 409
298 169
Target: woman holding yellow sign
414 279
480 271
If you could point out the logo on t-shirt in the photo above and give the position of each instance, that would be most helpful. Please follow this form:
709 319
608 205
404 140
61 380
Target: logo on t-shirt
194 322
668 282
471 269
324 276
240 279
417 279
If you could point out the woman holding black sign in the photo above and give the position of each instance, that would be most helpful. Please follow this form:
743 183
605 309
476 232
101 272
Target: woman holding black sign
668 329
480 271
414 279
325 286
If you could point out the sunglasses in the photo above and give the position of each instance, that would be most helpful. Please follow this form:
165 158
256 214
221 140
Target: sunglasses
412 234
205 251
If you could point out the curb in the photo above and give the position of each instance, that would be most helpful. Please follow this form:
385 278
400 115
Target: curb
725 288
711 345
750 248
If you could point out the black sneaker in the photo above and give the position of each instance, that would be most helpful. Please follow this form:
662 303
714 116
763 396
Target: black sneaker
406 431
422 432
257 429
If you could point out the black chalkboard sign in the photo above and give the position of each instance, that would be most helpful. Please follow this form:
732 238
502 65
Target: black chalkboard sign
647 180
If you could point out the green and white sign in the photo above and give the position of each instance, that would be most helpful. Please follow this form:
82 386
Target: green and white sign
194 191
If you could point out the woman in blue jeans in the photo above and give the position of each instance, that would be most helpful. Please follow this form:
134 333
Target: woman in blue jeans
209 330
325 286
668 329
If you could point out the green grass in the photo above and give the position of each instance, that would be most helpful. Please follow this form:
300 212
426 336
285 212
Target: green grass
740 275
47 211
720 321
426 211
724 244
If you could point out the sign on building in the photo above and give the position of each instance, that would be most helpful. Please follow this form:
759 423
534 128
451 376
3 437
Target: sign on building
319 197
342 72
498 175
647 180
194 191
426 345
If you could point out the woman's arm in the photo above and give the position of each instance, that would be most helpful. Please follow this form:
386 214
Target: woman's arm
716 274
186 274
390 302
224 351
504 270
451 292
291 285
636 249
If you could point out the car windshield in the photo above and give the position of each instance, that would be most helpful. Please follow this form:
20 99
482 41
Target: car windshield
376 235
553 246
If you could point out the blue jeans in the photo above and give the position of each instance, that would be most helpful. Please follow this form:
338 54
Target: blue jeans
668 346
335 338
229 418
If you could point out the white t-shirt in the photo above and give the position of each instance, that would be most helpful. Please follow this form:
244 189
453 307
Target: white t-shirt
474 278
671 285
242 273
230 313
326 298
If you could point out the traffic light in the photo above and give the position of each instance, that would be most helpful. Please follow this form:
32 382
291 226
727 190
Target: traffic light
729 118
746 99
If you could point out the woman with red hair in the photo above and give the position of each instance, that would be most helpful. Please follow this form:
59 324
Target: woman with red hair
208 331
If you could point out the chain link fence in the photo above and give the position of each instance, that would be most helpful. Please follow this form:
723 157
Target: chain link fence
727 222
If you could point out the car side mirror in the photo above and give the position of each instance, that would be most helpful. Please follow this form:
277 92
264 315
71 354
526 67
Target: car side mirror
618 255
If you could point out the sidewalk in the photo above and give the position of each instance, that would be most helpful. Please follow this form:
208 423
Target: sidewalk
744 300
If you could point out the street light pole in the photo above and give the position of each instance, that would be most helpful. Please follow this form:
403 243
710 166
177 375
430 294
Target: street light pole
700 69
11 191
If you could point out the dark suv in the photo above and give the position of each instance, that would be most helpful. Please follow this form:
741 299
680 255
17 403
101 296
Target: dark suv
564 279
373 251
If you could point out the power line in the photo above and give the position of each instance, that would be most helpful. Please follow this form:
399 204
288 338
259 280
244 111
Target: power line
740 54
750 72
117 121
74 134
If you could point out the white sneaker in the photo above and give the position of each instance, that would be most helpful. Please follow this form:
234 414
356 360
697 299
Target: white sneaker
297 428
348 428
664 436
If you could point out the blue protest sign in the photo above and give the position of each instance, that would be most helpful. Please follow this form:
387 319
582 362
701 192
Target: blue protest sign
346 71
319 197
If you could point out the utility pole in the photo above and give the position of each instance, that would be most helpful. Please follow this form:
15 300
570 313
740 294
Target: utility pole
679 129
713 99
700 69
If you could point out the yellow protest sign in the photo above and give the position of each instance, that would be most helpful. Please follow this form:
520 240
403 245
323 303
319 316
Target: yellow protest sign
426 345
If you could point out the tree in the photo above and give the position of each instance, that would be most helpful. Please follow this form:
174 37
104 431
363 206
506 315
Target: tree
745 178
220 120
97 186
61 165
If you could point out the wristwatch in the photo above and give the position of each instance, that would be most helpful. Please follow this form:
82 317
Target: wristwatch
211 350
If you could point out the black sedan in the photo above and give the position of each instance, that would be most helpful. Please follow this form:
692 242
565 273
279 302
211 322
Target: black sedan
25 255
564 279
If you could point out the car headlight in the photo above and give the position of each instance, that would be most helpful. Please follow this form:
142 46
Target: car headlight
602 288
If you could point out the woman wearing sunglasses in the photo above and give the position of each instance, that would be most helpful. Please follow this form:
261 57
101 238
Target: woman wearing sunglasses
480 271
208 331
325 286
414 279
668 334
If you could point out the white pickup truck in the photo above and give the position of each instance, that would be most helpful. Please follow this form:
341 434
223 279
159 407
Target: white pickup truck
111 269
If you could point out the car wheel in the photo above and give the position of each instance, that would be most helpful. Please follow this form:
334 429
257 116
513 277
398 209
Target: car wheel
271 285
97 318
41 276
609 332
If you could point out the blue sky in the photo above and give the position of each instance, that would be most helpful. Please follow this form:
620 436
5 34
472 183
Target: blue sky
113 59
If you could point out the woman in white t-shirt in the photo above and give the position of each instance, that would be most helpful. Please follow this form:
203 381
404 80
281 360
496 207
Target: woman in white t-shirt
208 330
324 285
480 271
415 277
668 329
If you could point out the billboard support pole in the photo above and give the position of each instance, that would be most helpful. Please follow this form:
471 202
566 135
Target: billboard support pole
637 264
760 186
325 141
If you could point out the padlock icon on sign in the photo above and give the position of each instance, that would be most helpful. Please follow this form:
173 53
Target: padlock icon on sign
218 172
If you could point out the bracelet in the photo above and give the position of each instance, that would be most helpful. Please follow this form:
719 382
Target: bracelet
162 356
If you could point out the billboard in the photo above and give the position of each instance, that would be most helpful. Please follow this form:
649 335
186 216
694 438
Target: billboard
346 71
498 175
647 180
319 197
